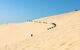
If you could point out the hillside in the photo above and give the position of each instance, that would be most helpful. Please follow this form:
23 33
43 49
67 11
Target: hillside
59 32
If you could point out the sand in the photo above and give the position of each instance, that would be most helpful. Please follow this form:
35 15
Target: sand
59 32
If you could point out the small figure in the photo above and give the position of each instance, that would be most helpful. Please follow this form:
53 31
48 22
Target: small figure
54 24
31 35
45 22
52 27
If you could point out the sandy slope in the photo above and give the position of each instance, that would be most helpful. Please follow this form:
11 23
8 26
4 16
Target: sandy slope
36 35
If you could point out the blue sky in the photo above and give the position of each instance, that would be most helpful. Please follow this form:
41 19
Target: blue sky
20 10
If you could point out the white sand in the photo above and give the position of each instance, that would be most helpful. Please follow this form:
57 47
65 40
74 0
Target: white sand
35 36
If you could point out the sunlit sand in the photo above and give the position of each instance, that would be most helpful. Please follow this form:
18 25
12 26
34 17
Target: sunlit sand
59 32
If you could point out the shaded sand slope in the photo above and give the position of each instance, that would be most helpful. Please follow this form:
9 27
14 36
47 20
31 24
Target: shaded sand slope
36 35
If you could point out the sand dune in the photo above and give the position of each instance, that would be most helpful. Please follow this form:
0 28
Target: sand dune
59 32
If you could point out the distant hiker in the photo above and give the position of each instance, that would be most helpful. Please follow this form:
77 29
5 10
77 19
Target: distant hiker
31 35
54 24
45 22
